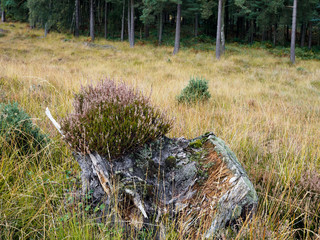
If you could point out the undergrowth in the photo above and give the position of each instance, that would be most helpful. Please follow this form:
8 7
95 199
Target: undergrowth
112 120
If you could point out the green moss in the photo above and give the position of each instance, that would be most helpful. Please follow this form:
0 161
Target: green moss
171 162
196 144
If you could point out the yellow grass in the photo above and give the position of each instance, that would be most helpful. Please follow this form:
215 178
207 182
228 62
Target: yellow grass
267 110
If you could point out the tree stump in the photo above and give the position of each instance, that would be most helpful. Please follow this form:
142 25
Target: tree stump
198 183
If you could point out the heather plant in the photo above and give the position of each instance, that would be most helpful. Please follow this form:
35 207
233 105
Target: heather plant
17 130
197 90
112 120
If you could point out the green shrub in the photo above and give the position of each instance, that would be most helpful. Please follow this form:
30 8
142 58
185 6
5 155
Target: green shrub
112 120
17 130
197 90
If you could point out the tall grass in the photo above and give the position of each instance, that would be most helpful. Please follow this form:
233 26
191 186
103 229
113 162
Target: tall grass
267 110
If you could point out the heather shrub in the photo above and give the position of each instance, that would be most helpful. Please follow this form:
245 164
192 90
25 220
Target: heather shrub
17 130
112 120
197 90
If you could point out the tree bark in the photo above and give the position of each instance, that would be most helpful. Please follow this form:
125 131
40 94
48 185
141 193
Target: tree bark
274 35
122 21
129 24
223 38
303 34
172 182
310 36
218 39
105 19
3 15
46 30
178 30
293 32
196 25
132 24
92 20
77 13
160 28
0 9
146 31
226 18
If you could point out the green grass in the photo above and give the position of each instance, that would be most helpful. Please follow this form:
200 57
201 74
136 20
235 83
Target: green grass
267 110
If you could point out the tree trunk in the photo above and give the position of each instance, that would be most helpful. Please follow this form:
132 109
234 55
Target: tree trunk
160 28
293 32
175 180
132 24
274 35
223 39
218 39
122 21
46 30
146 31
226 18
105 19
3 15
178 29
251 31
129 24
92 20
303 34
310 35
196 25
77 13
319 36
0 9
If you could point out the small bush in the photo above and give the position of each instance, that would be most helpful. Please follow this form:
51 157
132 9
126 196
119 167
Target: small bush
112 120
197 90
17 130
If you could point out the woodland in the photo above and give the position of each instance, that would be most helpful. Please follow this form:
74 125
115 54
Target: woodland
123 76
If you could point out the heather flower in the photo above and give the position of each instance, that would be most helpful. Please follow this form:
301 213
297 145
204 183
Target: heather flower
112 120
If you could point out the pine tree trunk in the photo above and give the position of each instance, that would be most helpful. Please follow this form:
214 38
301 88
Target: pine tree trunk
226 18
92 20
146 31
178 29
218 39
45 30
77 11
251 31
223 39
129 24
0 9
293 32
160 28
3 15
310 35
196 24
106 20
275 35
132 24
122 21
303 34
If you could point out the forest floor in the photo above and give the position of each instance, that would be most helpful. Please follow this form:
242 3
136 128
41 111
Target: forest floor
266 109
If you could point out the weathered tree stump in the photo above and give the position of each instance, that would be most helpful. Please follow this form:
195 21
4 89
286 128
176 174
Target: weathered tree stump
198 183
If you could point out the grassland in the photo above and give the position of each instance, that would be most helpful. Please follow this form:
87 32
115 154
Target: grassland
267 110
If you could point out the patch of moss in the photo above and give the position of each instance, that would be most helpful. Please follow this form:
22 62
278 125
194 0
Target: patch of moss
196 144
171 162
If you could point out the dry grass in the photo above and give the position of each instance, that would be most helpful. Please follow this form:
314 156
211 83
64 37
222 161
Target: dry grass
267 110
